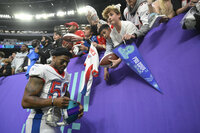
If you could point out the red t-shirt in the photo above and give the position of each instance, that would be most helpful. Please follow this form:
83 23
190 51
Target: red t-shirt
81 34
101 41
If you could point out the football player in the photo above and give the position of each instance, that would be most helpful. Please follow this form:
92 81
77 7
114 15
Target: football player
46 89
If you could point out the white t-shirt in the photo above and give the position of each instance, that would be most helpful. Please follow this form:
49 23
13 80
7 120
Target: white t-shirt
127 27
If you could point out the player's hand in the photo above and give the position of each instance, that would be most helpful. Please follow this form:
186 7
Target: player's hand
94 44
115 63
76 39
89 14
36 49
164 19
128 37
106 75
80 110
82 48
191 4
61 102
4 71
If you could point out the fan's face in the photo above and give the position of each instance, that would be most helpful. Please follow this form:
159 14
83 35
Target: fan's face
60 62
106 33
72 29
113 18
131 3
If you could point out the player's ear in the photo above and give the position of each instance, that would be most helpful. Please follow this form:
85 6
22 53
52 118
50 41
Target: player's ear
53 58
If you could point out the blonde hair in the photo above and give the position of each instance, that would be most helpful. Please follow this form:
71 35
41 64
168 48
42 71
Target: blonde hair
108 9
164 8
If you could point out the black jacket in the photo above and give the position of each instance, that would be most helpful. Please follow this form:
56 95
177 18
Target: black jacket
45 53
8 70
57 43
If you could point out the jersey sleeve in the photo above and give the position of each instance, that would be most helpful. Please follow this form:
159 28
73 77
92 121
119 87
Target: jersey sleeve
125 13
37 70
143 12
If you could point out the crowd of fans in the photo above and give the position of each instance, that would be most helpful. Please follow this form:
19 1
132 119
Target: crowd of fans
102 34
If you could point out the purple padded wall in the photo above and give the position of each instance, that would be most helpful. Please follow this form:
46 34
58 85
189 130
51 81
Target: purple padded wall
127 104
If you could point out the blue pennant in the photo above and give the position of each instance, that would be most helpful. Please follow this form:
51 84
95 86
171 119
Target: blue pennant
130 54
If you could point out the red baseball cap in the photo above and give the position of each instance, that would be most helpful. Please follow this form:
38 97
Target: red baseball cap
72 23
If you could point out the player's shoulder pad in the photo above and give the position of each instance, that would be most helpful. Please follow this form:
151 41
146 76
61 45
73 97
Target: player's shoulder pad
37 70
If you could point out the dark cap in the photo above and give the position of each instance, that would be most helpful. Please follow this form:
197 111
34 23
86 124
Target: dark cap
61 51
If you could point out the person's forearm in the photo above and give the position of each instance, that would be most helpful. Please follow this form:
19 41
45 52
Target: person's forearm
142 31
181 10
171 15
105 69
101 47
89 19
35 102
13 71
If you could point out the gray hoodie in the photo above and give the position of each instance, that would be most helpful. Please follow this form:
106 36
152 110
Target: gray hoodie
134 9
135 14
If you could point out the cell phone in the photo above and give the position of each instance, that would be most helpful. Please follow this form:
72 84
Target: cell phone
73 111
72 104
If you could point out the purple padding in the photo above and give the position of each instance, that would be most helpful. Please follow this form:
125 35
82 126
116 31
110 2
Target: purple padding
127 104
12 115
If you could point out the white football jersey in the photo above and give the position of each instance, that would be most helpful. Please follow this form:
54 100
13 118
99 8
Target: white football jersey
91 69
141 16
55 84
93 60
